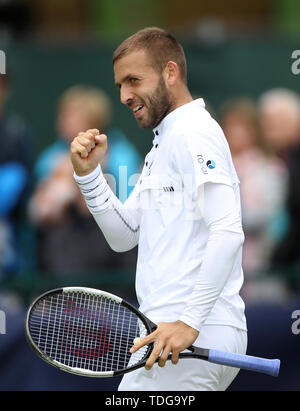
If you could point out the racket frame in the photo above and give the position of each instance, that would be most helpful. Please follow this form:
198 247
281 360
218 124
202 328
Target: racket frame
246 362
149 325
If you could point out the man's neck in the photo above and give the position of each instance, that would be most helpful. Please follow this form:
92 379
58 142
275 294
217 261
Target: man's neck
183 97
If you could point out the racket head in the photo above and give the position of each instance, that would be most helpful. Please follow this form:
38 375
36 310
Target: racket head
87 332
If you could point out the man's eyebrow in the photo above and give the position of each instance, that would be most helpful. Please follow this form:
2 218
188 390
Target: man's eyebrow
125 79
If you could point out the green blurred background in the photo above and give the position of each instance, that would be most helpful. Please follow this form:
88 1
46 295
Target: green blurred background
233 48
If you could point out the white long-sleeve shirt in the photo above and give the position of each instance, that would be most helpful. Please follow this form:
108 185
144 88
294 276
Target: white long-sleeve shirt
184 214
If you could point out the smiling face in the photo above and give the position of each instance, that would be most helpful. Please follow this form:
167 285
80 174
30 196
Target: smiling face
142 88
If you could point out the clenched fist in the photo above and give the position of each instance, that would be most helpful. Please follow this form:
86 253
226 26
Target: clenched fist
88 149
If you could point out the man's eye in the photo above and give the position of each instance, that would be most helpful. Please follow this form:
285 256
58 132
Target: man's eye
133 80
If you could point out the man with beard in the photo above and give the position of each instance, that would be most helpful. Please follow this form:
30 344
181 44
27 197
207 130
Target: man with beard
184 215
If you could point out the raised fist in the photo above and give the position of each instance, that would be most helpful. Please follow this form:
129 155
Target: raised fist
88 149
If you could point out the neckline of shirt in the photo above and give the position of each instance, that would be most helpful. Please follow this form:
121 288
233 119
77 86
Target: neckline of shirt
163 125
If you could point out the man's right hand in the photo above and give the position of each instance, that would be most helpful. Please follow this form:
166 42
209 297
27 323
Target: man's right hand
88 149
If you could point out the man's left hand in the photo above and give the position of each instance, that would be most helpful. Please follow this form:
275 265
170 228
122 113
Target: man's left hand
172 337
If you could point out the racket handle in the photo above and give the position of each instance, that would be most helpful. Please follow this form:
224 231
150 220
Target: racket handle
246 362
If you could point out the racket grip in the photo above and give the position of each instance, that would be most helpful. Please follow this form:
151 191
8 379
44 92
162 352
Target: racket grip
246 362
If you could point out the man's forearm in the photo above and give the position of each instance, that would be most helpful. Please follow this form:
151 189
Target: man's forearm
221 251
224 243
119 223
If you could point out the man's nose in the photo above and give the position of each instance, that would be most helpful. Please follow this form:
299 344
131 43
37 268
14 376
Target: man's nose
126 95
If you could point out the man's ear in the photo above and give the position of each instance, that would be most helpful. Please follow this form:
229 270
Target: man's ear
171 73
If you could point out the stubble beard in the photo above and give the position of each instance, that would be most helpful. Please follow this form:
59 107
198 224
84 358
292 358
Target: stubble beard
159 105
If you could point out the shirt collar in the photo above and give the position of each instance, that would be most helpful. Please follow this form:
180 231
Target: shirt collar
171 117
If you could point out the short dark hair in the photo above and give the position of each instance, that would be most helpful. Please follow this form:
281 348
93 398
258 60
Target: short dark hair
161 46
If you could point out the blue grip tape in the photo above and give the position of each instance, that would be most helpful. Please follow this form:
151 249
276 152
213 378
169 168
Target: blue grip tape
246 362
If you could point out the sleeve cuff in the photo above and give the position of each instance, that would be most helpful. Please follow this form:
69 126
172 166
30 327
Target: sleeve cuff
190 322
88 177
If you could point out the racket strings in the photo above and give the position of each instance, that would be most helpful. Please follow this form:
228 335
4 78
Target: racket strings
86 331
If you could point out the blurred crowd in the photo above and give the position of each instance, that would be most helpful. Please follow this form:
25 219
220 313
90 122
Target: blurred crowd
68 240
264 138
42 197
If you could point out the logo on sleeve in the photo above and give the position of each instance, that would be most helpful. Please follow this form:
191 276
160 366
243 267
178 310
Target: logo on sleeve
210 164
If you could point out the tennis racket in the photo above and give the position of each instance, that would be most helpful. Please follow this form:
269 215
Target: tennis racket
90 332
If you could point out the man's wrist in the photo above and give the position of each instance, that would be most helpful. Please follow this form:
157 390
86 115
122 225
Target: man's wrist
87 177
189 323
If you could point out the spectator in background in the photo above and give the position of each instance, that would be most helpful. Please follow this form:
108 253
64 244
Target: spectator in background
263 182
280 122
279 116
68 238
14 172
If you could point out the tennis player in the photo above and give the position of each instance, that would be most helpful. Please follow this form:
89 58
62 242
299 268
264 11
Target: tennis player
184 215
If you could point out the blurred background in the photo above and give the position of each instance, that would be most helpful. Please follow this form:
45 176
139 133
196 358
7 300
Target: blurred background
59 81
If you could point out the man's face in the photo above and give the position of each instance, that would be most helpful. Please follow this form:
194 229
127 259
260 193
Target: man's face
142 89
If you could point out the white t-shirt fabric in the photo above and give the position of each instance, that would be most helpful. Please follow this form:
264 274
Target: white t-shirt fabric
164 216
188 151
185 216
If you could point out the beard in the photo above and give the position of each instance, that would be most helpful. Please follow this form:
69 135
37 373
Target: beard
158 105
